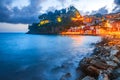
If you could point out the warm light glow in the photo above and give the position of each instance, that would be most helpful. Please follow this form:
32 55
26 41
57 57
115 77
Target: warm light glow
77 17
59 19
43 22
107 24
77 40
90 25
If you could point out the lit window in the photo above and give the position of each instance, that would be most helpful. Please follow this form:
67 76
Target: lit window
59 19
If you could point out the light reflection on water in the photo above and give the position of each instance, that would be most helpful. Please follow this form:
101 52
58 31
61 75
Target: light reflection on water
42 57
77 40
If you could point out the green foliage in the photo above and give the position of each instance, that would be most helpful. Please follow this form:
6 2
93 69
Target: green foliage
54 25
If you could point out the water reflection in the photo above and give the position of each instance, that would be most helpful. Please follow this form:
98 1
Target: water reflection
77 40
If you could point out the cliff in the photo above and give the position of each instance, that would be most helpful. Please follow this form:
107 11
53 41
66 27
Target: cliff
56 22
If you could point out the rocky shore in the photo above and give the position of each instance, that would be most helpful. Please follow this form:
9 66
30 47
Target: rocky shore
104 64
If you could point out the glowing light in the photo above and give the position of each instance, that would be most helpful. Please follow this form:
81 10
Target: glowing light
43 22
107 24
59 19
77 17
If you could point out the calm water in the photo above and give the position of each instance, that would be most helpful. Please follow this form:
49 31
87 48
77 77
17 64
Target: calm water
42 57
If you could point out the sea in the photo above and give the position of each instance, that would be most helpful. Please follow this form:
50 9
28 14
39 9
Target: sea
42 57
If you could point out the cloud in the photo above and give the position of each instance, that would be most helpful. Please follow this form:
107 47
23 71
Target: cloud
51 9
117 2
62 0
29 14
26 15
102 10
117 7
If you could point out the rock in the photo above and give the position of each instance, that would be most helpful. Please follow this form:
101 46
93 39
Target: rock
107 47
114 52
118 55
116 73
84 63
87 60
106 59
93 71
115 59
117 78
88 78
103 76
99 64
108 71
112 64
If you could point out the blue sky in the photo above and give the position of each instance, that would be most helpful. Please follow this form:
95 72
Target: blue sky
15 15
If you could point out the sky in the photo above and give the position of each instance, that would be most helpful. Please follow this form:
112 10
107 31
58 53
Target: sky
16 15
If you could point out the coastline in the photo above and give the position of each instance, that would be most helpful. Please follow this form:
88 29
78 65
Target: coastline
104 64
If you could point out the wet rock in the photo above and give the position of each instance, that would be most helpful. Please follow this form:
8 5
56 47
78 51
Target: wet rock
84 63
118 55
115 59
99 64
103 76
88 78
112 64
87 60
106 59
113 52
116 73
107 47
93 71
108 71
102 51
117 78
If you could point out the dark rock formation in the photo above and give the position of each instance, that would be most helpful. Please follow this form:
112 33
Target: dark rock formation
56 22
105 63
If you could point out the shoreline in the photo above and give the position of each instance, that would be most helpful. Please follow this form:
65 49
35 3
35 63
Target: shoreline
64 34
104 64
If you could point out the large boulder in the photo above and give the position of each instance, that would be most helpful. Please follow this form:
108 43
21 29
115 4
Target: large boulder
93 71
99 64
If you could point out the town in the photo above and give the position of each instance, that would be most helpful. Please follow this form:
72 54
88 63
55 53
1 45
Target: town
70 21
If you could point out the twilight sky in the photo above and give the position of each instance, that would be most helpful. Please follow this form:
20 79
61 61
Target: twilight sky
15 15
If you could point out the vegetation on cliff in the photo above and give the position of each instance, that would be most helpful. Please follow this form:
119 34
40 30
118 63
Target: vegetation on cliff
56 22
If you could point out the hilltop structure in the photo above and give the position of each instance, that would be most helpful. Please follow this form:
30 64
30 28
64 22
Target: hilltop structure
70 21
55 23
